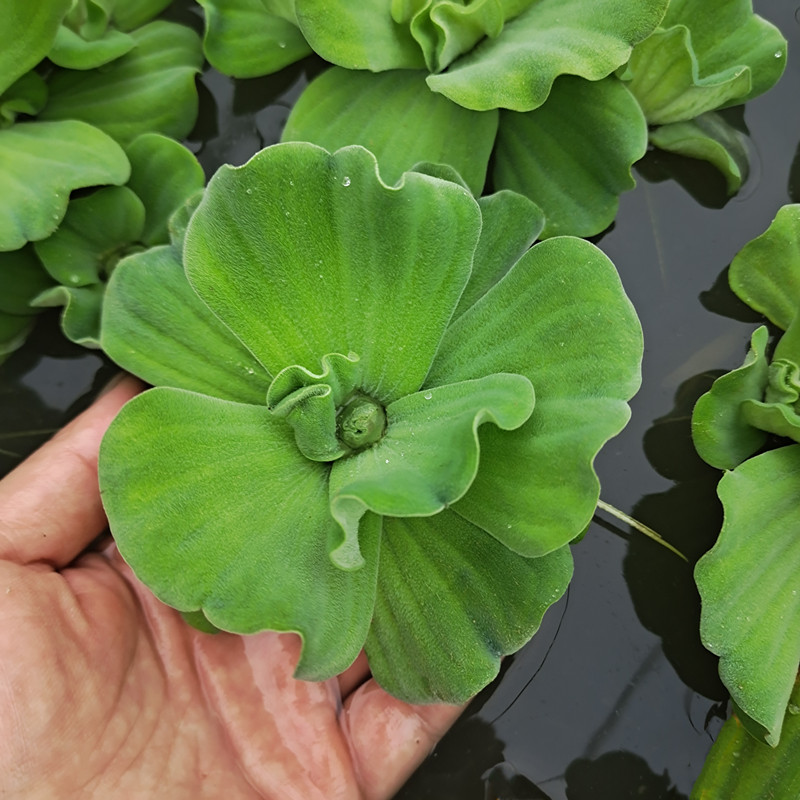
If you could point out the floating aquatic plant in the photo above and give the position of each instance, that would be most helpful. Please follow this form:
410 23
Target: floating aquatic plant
452 73
375 414
104 226
566 94
748 580
706 55
79 80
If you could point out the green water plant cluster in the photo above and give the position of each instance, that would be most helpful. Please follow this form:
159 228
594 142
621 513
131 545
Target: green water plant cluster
92 95
379 393
748 425
351 435
564 96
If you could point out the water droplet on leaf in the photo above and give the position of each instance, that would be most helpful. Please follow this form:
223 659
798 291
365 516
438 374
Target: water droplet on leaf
428 395
345 181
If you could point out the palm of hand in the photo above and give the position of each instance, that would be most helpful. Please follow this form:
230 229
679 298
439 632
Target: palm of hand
105 692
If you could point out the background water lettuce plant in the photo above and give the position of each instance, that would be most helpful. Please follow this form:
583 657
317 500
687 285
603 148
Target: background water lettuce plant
747 581
705 56
104 226
741 768
341 423
533 70
572 91
79 82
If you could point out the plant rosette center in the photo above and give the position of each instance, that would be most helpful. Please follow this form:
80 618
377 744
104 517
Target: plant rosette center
361 422
409 484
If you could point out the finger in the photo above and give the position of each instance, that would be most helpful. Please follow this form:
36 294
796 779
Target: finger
50 504
389 739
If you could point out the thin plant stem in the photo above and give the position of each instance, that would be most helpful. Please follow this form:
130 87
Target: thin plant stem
641 527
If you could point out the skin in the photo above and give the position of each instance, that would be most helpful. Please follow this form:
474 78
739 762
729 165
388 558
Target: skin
106 692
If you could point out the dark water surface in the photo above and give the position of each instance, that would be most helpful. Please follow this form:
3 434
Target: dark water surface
615 698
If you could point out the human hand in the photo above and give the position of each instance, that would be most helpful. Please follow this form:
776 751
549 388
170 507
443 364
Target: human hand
105 692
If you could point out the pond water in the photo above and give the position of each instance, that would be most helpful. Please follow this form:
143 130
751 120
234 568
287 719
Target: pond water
615 697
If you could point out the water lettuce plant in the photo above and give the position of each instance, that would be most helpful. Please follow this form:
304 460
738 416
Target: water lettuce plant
79 81
740 768
528 80
705 56
375 414
748 580
96 32
477 59
107 224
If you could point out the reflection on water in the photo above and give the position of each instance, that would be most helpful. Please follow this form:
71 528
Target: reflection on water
239 117
51 376
618 776
720 299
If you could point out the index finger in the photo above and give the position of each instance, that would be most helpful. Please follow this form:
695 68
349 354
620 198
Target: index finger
50 507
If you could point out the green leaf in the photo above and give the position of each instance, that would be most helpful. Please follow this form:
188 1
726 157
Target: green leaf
90 18
95 233
22 278
588 38
709 54
428 457
778 412
26 96
179 221
536 488
575 179
248 38
303 253
358 36
741 768
246 569
397 117
666 79
451 602
748 585
155 326
72 51
150 89
40 164
511 224
80 320
708 138
765 273
722 433
132 14
164 174
310 402
26 34
727 32
788 346
773 418
197 619
445 29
